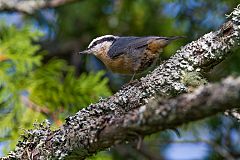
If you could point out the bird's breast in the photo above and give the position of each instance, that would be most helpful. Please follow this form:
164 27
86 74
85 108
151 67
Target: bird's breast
121 64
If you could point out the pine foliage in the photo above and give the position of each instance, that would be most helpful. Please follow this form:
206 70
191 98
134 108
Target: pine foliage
32 91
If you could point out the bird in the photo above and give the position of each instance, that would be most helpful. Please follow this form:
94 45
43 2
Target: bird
128 54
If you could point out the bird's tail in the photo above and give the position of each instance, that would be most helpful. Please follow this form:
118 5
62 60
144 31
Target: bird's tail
175 38
166 40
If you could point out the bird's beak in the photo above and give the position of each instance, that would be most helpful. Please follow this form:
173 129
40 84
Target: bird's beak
85 52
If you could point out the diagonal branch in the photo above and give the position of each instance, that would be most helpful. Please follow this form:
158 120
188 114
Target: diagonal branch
30 6
128 113
164 114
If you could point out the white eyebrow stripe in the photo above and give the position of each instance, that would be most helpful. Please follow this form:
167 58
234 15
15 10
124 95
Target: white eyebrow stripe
98 38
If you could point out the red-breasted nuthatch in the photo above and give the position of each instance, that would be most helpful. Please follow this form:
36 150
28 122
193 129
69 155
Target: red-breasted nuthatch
128 55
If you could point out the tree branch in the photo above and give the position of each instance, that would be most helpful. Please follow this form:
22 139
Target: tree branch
163 114
129 113
30 6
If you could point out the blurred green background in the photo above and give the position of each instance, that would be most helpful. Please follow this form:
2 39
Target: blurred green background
42 77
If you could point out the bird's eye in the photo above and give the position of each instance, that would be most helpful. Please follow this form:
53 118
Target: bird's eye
94 44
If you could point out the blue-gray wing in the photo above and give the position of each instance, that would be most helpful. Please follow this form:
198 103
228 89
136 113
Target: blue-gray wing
129 45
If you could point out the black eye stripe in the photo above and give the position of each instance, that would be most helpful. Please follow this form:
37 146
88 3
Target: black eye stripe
109 39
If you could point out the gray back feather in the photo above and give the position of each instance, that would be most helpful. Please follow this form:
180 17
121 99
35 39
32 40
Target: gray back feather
130 45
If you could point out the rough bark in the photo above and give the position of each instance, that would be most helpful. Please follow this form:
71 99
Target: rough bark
30 6
130 113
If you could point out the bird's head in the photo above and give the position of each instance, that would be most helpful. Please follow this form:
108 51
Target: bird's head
99 45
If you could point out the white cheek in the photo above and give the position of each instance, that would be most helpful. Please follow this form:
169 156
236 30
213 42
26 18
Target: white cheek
106 45
102 47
